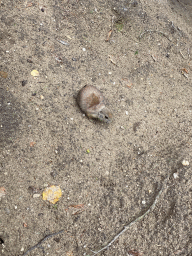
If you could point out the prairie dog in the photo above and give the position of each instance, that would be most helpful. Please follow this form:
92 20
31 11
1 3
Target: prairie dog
92 102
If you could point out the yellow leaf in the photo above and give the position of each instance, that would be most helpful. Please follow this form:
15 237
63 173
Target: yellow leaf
52 194
35 73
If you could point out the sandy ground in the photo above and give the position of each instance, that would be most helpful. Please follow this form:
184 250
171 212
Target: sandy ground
133 175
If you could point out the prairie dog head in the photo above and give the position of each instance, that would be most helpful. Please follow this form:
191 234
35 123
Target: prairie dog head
105 115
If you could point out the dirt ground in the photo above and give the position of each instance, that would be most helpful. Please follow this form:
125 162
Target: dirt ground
129 182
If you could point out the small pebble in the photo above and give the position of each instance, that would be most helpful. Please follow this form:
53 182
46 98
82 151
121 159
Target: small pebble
42 97
84 49
36 195
126 112
22 249
143 202
175 175
185 163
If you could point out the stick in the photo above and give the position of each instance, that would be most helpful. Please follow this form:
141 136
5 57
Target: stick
132 222
41 241
185 58
154 31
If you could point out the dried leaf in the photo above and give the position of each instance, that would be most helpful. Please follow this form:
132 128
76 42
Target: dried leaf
25 225
109 35
3 74
52 194
185 70
35 73
129 85
29 5
78 206
134 253
70 253
32 144
2 192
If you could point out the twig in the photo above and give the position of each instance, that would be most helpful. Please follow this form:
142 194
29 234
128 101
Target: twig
111 30
132 222
176 29
41 241
185 75
109 35
154 31
185 58
62 42
112 21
